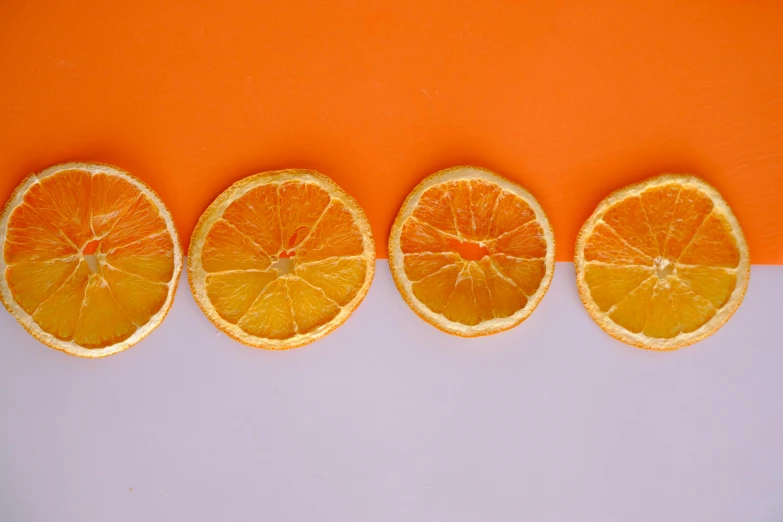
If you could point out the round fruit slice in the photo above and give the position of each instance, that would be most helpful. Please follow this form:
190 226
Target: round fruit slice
471 252
280 259
91 258
662 264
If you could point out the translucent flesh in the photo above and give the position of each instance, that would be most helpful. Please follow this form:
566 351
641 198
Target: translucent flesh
293 219
339 277
662 263
226 248
47 271
471 291
233 293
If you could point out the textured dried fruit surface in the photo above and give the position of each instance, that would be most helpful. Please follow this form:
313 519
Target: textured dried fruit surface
280 259
471 252
662 264
90 258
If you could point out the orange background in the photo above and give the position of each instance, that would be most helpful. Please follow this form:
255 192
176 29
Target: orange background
570 98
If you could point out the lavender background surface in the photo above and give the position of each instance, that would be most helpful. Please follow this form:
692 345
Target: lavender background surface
388 419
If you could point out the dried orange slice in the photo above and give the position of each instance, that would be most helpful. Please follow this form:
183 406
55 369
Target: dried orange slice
91 258
471 252
662 264
280 259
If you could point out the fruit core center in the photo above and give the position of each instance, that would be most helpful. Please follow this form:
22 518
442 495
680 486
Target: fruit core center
88 253
663 267
92 263
284 263
467 250
90 247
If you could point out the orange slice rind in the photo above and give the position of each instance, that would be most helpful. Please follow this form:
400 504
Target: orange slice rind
495 282
662 264
281 259
91 258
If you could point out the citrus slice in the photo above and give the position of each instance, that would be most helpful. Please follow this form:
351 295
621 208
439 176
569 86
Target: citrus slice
91 258
280 259
471 252
662 264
